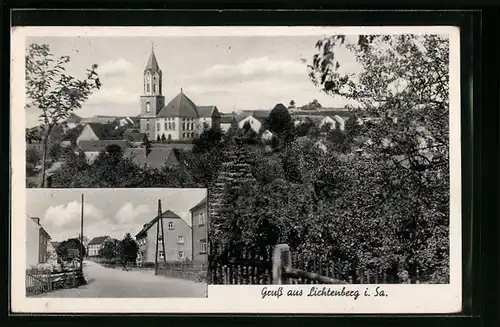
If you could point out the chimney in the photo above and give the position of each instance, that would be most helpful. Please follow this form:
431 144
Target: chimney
36 220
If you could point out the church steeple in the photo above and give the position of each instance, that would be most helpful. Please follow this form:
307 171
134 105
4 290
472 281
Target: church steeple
152 62
152 76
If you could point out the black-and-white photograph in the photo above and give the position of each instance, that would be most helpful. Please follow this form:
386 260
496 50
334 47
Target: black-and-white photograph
112 243
324 157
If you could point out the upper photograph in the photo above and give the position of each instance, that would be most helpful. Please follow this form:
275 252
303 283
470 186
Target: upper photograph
336 146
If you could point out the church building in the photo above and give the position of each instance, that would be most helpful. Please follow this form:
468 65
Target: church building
180 120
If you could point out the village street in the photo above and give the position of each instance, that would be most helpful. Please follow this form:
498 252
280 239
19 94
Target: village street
116 283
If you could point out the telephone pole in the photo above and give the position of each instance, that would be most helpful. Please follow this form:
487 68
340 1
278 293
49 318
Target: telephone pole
81 278
159 227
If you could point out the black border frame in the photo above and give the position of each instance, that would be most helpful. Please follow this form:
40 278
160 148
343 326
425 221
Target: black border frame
479 87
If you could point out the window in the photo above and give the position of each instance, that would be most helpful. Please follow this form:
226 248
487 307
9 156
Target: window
181 254
147 127
160 239
173 125
183 126
154 88
147 87
161 255
203 246
192 126
201 219
184 135
170 225
167 125
158 126
148 107
180 239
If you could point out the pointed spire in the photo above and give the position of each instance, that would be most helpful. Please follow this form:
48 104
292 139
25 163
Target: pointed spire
152 62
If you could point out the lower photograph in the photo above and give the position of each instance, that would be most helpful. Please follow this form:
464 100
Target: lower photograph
116 243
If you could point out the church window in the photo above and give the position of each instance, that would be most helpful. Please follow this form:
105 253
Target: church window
147 126
147 87
154 88
148 107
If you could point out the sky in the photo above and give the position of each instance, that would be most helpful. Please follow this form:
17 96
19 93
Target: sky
112 212
230 72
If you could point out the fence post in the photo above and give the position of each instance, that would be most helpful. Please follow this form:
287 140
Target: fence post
282 257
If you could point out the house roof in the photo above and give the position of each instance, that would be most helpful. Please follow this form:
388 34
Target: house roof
73 118
179 146
154 159
259 114
180 106
55 244
166 214
100 145
331 112
208 111
226 119
152 62
103 131
134 137
200 204
98 240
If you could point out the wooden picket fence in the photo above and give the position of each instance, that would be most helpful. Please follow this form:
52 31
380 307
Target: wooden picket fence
39 283
183 270
277 265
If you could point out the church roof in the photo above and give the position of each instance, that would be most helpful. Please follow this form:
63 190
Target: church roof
208 111
180 106
152 62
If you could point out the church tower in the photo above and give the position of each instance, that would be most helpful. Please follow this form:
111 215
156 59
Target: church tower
152 100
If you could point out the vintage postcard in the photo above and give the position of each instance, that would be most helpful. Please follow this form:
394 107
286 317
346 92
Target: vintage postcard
296 169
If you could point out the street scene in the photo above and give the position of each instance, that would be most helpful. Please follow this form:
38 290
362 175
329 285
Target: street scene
116 283
142 248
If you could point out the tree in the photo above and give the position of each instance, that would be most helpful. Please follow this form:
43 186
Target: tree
163 138
70 249
207 140
55 151
158 139
279 122
110 250
52 91
401 96
33 159
292 104
128 249
313 105
303 128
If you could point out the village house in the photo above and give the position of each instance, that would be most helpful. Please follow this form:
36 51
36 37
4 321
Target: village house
91 149
135 138
152 157
180 119
96 244
98 132
37 240
199 226
177 238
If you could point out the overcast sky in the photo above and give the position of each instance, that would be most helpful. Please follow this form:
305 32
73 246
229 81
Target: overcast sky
112 212
231 72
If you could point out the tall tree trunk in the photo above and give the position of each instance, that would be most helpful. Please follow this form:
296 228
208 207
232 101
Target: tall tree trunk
44 157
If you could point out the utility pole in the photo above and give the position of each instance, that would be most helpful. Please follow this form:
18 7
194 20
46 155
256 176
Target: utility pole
81 278
81 239
157 236
162 234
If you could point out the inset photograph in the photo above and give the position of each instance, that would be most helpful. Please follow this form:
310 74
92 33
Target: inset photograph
116 243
